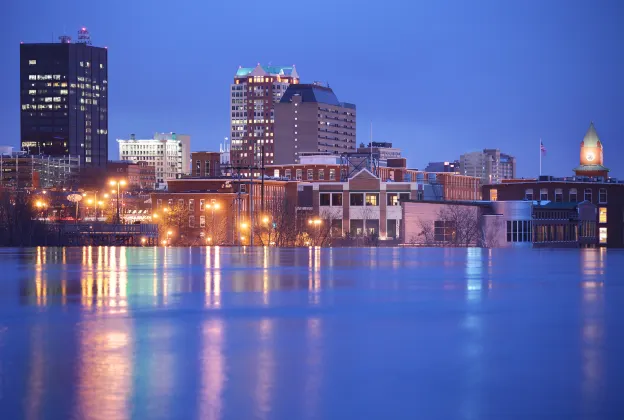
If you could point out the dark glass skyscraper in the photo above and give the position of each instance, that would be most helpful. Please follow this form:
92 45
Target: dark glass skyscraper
64 100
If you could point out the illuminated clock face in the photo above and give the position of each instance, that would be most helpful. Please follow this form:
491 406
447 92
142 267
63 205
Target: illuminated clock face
590 157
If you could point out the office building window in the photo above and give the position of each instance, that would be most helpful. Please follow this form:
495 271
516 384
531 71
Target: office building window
191 221
392 199
372 199
191 205
337 199
181 202
201 205
573 195
602 215
602 235
528 194
558 195
197 168
357 199
207 168
321 174
602 196
493 194
544 194
324 199
332 174
588 194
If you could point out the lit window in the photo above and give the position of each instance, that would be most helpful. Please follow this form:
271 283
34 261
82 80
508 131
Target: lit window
32 62
602 235
310 174
372 199
493 194
602 215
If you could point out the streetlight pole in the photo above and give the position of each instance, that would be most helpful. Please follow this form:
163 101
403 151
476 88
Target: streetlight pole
119 184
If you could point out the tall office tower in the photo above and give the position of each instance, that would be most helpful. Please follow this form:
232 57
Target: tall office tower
169 153
254 93
490 165
310 119
64 99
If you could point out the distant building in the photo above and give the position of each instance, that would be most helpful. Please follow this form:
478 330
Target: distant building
381 151
19 170
253 95
490 165
452 167
64 100
206 164
309 118
592 156
139 175
169 153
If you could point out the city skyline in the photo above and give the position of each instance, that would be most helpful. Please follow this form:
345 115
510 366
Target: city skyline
480 77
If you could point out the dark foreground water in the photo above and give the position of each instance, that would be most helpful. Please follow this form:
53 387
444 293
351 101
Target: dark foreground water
119 333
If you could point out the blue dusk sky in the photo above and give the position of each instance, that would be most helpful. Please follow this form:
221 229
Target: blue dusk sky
436 78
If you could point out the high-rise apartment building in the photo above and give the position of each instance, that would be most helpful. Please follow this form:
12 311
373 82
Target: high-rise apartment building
169 153
490 165
309 119
64 100
254 93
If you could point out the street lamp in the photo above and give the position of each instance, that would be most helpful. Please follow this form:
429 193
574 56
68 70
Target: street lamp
213 206
169 233
317 224
119 184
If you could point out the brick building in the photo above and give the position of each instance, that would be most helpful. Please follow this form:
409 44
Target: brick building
218 208
139 175
206 164
362 205
607 196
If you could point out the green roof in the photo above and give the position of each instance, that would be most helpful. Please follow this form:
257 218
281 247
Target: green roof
591 138
591 168
275 70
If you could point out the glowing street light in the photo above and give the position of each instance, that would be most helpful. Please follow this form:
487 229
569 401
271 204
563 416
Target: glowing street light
265 220
119 183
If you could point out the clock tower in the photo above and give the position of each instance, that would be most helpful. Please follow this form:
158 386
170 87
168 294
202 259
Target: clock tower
591 156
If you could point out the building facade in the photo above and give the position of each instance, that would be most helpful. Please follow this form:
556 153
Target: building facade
219 211
139 175
253 96
64 100
490 165
608 197
19 170
309 119
206 164
168 153
361 206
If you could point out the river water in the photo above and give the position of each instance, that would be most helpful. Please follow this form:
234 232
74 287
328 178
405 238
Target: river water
226 333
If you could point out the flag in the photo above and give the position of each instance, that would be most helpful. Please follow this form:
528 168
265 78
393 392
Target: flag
542 148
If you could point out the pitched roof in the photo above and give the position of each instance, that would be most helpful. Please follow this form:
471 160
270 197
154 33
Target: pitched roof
311 93
591 138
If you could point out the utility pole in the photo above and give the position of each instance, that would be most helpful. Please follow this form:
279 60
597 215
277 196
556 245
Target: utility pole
262 183
251 207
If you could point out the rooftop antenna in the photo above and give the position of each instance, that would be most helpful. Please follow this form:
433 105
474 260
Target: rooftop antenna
84 37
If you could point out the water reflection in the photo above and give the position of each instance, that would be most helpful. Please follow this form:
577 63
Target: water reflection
104 370
265 370
213 370
212 281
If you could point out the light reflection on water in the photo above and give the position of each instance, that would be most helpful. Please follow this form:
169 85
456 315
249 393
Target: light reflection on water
214 333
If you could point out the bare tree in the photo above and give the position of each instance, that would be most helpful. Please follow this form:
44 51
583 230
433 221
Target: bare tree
454 226
491 230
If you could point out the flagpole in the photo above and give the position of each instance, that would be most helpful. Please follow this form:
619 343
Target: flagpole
540 153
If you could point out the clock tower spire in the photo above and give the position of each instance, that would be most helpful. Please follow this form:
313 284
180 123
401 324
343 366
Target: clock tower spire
591 162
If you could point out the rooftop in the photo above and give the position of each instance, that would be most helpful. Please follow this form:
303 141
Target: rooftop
311 93
267 71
